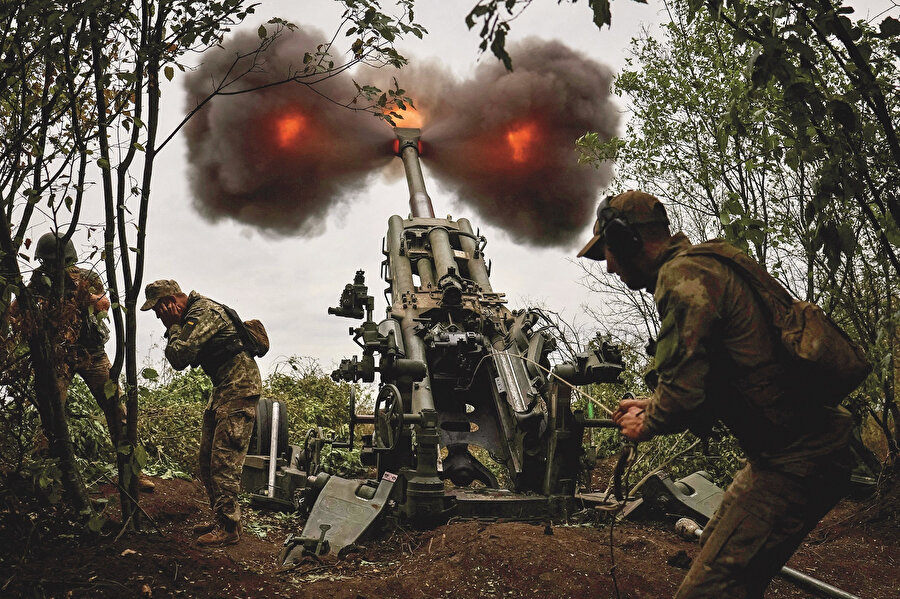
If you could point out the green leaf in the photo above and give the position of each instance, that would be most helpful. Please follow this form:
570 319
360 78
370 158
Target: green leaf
110 389
96 522
261 32
169 72
140 457
890 27
847 238
602 14
150 374
103 163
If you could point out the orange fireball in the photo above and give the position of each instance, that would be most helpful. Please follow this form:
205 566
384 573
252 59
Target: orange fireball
289 128
521 140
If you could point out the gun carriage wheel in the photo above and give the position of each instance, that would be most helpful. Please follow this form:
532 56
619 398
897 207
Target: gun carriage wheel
261 437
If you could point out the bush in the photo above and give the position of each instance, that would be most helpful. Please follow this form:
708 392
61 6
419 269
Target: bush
169 422
314 400
22 440
172 406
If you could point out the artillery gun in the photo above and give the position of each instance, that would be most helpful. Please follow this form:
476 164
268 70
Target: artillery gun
456 369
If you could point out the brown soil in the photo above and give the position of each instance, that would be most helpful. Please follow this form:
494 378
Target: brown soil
39 557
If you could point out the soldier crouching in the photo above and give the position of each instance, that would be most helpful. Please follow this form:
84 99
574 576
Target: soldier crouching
200 333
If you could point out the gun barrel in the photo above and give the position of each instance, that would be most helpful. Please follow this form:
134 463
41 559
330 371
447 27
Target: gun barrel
419 200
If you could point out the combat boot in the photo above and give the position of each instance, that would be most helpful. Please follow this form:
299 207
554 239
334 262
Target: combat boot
221 536
203 528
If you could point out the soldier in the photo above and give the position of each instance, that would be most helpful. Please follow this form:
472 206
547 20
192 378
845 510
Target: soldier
87 357
200 333
717 359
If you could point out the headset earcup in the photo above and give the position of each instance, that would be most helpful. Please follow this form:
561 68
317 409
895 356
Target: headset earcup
623 239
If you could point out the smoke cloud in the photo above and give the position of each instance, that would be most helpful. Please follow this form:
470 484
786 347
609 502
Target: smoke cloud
505 141
281 157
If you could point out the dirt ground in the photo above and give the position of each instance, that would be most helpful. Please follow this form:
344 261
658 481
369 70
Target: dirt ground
462 559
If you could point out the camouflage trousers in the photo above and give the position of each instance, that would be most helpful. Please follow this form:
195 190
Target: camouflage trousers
94 370
223 444
765 515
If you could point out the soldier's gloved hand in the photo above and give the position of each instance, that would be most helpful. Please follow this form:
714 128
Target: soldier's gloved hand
630 419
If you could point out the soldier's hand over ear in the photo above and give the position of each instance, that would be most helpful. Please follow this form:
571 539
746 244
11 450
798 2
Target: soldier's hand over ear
169 314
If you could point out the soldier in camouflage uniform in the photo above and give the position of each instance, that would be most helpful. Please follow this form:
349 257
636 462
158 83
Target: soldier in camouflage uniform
88 356
200 333
716 359
88 334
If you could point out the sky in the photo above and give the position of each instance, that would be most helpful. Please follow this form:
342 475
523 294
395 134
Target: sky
288 282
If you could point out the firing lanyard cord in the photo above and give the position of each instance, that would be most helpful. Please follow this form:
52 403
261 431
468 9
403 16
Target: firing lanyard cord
620 504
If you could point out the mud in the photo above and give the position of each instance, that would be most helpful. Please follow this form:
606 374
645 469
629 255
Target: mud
41 557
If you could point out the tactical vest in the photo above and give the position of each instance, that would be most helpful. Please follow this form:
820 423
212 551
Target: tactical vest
93 333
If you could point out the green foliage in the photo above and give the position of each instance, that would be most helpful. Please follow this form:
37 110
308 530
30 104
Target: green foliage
81 103
314 400
46 478
23 444
748 126
19 423
721 460
312 397
495 17
171 417
173 404
87 425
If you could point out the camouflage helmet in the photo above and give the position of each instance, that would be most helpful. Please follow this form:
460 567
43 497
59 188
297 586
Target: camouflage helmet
47 249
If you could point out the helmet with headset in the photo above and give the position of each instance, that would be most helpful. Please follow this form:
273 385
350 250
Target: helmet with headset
617 217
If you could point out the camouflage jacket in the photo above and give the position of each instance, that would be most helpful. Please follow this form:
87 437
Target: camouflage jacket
80 284
716 360
206 337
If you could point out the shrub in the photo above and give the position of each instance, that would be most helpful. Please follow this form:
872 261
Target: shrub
172 405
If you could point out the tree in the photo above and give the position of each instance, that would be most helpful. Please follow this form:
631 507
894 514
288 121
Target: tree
836 112
729 156
36 164
82 104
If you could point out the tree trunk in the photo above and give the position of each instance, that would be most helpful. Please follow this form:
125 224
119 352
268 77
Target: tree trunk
131 395
890 396
49 392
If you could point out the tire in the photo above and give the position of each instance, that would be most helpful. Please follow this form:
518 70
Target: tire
262 429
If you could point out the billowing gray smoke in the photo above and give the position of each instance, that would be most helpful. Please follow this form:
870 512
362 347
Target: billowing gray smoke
280 157
505 141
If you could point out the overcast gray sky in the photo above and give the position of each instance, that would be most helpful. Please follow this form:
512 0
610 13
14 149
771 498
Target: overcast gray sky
289 282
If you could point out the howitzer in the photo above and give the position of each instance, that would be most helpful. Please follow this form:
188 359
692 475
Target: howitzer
457 369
